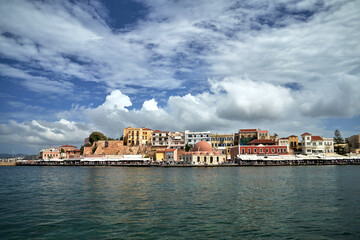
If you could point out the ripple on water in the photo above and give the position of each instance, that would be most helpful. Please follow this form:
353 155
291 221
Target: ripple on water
187 203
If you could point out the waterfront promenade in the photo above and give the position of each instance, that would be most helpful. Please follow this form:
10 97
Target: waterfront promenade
238 163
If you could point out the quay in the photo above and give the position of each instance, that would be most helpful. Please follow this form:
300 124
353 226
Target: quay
149 163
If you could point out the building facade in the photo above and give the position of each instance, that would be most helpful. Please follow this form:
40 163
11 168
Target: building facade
69 151
192 138
203 154
263 134
294 143
167 155
50 153
137 136
354 143
160 138
316 145
222 140
176 140
268 150
284 142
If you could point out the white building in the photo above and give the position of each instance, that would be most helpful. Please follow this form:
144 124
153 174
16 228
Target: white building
284 142
176 140
192 138
160 138
316 144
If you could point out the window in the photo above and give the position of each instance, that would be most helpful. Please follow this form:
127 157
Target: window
211 159
261 150
243 151
204 159
314 143
249 151
198 159
272 150
254 150
217 159
267 150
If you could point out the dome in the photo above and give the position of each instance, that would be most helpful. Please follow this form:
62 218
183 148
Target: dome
202 146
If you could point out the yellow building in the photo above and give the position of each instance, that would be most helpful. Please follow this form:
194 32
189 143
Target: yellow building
137 136
222 142
294 143
263 134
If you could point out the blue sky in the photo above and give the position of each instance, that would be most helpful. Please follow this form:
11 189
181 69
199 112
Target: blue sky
68 68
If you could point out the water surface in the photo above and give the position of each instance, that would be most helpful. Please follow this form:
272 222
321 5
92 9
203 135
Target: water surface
307 202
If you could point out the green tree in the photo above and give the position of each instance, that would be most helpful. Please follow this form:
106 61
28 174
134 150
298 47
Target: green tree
96 136
187 147
122 138
338 139
338 143
82 149
62 150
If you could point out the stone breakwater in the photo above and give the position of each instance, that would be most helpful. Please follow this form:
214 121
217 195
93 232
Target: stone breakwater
239 163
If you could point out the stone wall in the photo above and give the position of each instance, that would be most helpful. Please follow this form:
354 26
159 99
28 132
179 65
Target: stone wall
117 148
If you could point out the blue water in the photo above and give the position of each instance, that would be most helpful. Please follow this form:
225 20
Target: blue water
307 202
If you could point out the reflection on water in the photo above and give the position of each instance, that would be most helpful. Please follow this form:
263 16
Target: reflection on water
220 203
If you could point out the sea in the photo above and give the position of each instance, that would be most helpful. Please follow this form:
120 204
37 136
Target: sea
286 202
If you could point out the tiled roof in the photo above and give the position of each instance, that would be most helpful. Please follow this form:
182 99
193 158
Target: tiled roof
293 136
158 131
305 134
67 145
248 130
316 138
284 138
261 141
170 150
146 129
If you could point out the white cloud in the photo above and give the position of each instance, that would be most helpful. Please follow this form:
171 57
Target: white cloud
301 58
116 101
150 105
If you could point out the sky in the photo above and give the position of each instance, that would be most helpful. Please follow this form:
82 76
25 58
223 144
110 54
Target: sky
68 68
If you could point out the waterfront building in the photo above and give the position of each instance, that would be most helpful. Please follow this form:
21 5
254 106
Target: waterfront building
69 151
160 138
137 136
284 142
203 154
244 136
275 138
294 143
263 134
50 153
222 143
353 143
167 155
260 149
291 142
176 140
192 138
222 140
316 145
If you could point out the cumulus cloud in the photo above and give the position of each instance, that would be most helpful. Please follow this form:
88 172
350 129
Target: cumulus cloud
150 105
116 101
191 60
42 133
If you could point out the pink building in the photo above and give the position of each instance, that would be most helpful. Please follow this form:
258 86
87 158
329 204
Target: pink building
49 153
258 150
